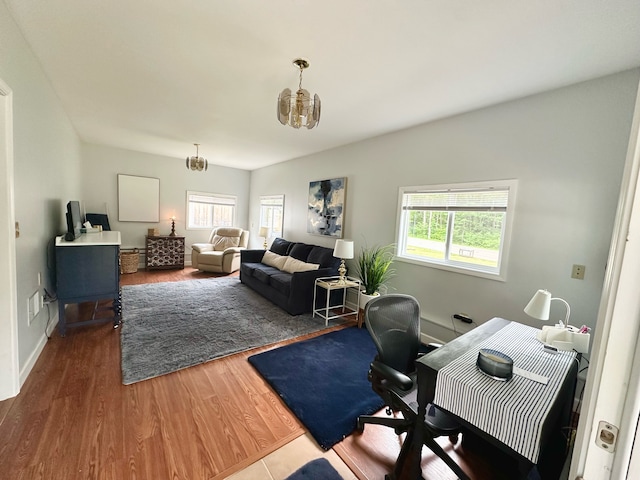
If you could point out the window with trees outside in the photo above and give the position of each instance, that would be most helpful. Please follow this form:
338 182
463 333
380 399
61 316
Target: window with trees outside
272 214
460 227
210 210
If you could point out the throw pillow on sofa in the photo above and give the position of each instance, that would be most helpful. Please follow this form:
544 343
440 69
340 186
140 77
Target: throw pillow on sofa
292 265
281 246
274 260
300 251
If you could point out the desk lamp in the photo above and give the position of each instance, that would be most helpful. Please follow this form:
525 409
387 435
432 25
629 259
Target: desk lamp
562 336
539 306
264 232
343 250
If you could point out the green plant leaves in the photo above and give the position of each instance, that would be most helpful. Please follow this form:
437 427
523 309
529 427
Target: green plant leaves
374 267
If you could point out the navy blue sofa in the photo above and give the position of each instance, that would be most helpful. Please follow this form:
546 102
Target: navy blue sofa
291 291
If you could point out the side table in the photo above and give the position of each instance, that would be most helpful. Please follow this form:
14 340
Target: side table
329 284
164 252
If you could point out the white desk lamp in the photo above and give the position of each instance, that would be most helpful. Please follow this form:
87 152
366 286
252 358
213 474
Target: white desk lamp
539 306
343 250
263 233
562 336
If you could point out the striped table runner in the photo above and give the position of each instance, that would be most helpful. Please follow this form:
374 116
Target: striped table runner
514 411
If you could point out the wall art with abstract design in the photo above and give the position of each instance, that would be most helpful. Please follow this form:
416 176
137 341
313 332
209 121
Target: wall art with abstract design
326 207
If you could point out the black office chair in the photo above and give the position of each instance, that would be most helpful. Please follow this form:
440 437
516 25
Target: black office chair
393 322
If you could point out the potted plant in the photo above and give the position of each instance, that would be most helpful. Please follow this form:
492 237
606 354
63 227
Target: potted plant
374 269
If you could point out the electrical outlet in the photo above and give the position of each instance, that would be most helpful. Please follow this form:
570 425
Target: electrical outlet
578 272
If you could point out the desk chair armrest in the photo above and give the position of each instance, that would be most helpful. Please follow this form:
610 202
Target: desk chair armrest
398 379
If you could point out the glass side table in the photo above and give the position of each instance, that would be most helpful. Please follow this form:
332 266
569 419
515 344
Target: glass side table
330 284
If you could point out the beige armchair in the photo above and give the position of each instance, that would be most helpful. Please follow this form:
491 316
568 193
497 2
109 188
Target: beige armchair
222 252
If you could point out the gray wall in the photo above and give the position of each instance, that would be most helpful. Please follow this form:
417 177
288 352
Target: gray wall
567 150
46 174
101 166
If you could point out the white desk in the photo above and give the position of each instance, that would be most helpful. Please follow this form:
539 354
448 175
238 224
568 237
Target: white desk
101 238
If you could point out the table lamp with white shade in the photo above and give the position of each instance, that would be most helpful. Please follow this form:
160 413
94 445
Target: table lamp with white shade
540 304
263 233
562 335
344 251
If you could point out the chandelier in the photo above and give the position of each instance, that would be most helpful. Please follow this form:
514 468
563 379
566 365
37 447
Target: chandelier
299 110
197 163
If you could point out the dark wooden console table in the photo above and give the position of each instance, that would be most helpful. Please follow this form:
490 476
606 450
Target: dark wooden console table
556 405
87 269
164 252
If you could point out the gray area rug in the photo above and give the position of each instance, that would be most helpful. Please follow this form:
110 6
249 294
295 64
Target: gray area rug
174 325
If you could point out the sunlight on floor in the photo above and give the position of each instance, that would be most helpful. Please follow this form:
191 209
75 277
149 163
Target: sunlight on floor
286 460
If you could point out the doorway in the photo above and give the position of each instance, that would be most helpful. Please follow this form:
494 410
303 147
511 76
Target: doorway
9 368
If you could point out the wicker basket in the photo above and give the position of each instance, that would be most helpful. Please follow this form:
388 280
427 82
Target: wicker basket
129 261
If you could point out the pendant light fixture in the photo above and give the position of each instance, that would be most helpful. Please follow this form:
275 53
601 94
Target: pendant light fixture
197 163
299 110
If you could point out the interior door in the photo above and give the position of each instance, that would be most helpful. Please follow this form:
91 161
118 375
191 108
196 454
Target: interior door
9 368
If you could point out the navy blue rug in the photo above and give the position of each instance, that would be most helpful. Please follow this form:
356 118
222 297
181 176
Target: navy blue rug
323 381
319 469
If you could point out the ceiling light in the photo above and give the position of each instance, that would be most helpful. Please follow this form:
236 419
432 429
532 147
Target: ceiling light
299 110
197 163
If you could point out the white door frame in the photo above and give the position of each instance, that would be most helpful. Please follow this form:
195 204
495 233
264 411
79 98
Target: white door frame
9 361
611 391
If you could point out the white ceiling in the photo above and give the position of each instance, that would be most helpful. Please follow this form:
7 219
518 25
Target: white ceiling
157 76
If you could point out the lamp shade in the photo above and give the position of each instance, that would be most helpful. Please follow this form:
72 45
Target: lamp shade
264 231
539 305
343 249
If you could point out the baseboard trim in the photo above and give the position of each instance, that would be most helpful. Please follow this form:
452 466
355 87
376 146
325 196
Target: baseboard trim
427 339
33 358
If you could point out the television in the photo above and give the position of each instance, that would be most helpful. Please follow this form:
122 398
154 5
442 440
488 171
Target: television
74 220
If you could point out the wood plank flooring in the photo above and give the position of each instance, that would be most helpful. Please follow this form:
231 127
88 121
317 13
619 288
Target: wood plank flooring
73 418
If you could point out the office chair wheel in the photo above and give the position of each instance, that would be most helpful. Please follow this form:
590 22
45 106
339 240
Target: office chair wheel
453 438
359 426
388 411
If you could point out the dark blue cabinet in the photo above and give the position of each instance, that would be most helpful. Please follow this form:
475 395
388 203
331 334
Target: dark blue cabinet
87 269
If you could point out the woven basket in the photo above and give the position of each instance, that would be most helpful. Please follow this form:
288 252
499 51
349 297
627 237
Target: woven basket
129 261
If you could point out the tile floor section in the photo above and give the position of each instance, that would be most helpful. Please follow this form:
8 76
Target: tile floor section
286 460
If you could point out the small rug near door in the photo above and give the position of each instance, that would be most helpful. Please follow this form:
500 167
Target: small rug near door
318 469
324 381
173 325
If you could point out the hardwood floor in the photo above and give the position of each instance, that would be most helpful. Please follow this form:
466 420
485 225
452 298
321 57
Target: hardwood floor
74 419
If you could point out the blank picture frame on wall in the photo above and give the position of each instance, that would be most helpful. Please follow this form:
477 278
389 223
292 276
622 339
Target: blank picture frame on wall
326 207
138 198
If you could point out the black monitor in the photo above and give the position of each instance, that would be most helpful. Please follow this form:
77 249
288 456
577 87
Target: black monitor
74 220
98 219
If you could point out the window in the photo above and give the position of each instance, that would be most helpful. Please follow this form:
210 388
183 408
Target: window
209 210
272 214
460 227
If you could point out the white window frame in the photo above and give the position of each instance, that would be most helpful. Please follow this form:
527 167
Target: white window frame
267 201
216 198
498 273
